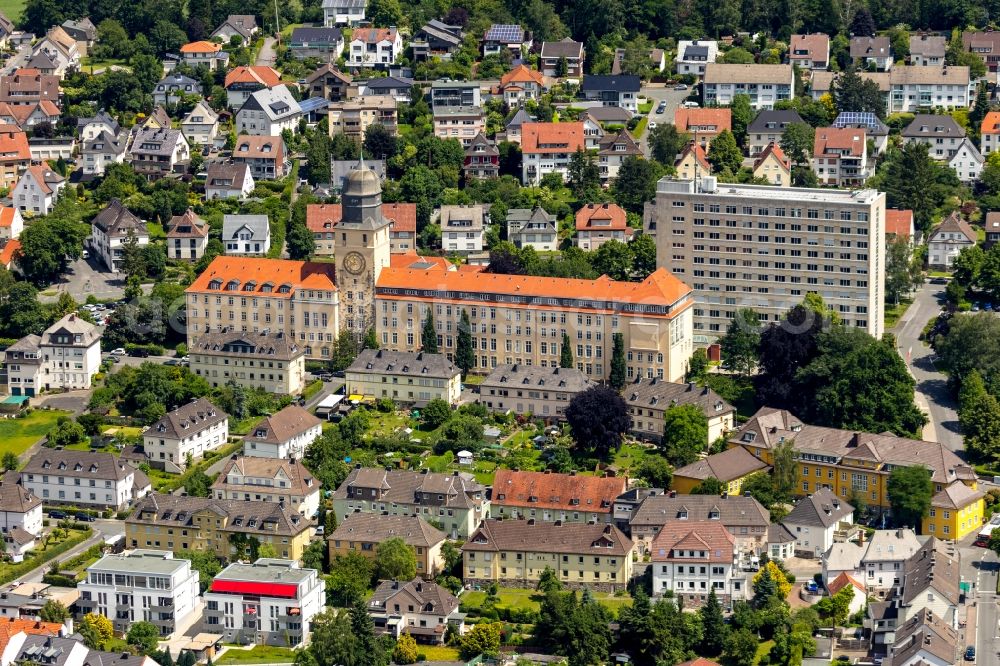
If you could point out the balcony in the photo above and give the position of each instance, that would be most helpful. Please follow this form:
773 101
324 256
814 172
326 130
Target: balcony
164 605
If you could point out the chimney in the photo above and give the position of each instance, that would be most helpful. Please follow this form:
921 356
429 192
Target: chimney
548 471
572 472
725 495
558 523
607 528
531 521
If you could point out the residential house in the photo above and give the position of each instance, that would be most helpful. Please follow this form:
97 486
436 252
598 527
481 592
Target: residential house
321 219
657 61
6 30
263 359
566 51
773 166
374 47
343 12
284 434
363 533
46 64
141 586
420 608
873 53
269 602
744 517
692 163
649 398
520 84
596 224
92 127
927 50
457 501
611 90
103 150
404 377
459 122
157 153
37 190
83 31
187 236
690 559
397 87
268 112
241 26
955 505
228 181
27 86
858 598
989 133
265 155
513 128
171 88
482 159
29 115
205 53
514 553
455 93
986 45
269 480
967 161
780 542
885 557
817 520
532 227
184 522
185 434
246 234
703 124
110 229
810 51
552 497
61 49
899 224
462 228
992 225
626 504
329 83
731 468
764 84
501 37
948 239
876 131
940 133
436 38
354 117
910 89
923 639
843 558
20 509
612 152
243 81
83 478
45 149
402 219
15 155
11 223
542 391
201 125
9 250
692 56
840 156
768 127
325 44
547 148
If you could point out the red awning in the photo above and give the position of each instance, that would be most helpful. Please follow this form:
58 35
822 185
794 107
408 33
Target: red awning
283 590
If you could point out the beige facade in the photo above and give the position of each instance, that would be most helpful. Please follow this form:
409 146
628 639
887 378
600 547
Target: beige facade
363 533
529 389
269 361
405 377
354 117
649 399
765 247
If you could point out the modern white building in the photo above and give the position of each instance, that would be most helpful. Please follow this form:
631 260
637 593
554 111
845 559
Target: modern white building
84 478
20 517
343 12
692 56
269 602
967 162
111 229
884 558
269 480
693 558
65 356
285 434
141 586
185 433
816 519
374 47
462 228
37 190
268 112
246 234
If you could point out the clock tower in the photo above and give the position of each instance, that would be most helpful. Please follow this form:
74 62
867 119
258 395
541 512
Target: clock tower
362 249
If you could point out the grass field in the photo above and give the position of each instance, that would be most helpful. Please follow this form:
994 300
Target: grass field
438 652
531 599
12 9
258 654
18 435
894 313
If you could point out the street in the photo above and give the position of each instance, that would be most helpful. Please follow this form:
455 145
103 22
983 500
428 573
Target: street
87 277
932 393
267 54
18 60
980 567
655 93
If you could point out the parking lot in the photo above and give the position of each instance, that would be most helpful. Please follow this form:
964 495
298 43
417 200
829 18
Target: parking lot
86 277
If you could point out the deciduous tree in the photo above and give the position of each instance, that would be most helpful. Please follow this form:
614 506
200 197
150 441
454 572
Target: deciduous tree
685 434
598 419
910 491
395 560
741 343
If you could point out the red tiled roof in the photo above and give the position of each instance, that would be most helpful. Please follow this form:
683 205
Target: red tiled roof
898 222
700 661
839 139
843 580
374 35
265 76
7 216
409 259
12 626
13 144
201 47
296 274
710 537
585 217
816 46
521 74
8 251
552 137
549 490
991 123
322 217
687 120
699 154
773 149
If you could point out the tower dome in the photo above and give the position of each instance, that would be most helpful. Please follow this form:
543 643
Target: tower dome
362 182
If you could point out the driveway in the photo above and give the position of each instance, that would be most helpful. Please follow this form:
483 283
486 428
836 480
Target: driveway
267 55
19 59
71 401
657 93
932 393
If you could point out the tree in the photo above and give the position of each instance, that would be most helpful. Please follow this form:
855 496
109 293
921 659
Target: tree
643 249
614 259
465 356
65 433
349 579
96 630
428 336
617 377
204 562
562 67
380 142
910 491
685 434
598 419
21 313
724 153
863 25
482 639
902 273
740 647
384 13
395 560
10 461
665 142
636 183
566 353
742 116
741 343
979 414
267 550
198 484
435 413
913 180
969 344
656 471
143 636
840 605
548 581
784 472
713 626
53 611
300 242
797 142
710 486
584 175
405 651
852 92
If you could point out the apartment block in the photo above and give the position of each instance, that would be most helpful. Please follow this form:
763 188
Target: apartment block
763 84
552 497
419 608
744 517
187 432
691 559
270 361
761 247
404 377
362 533
84 478
275 480
649 399
141 586
542 392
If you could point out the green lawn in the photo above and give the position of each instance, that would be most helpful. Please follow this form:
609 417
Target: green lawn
12 9
629 457
640 128
258 654
762 650
646 107
438 652
894 313
18 435
532 599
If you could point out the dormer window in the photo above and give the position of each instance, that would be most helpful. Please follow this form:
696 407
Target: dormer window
748 436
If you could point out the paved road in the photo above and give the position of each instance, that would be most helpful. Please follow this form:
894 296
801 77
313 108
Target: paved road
86 277
267 55
933 395
19 59
656 93
35 576
982 567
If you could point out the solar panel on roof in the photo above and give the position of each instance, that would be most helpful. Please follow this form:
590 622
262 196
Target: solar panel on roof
866 118
505 33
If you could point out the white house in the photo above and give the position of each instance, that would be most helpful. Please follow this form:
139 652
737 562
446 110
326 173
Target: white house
885 555
205 53
948 239
374 47
815 520
187 236
269 480
228 181
285 434
843 557
111 228
548 148
184 434
171 88
84 478
37 190
621 90
692 56
246 234
462 228
201 125
91 127
859 598
269 602
103 150
243 26
967 161
11 222
20 517
141 586
692 558
343 12
267 112
65 356
532 227
764 84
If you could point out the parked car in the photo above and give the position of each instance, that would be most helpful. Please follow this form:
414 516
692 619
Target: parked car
970 653
139 352
680 86
690 104
58 515
651 126
85 517
661 107
172 361
117 352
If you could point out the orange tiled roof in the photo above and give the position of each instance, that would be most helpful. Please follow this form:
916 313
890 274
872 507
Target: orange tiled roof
12 626
661 288
13 144
521 74
703 536
700 661
201 47
843 580
8 251
991 123
374 35
273 272
773 149
839 139
699 154
816 46
265 76
547 490
552 137
687 119
7 216
322 217
898 222
613 212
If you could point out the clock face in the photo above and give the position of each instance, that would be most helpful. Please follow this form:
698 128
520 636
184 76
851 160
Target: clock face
354 263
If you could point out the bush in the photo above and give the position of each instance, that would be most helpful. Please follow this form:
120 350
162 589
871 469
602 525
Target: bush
181 349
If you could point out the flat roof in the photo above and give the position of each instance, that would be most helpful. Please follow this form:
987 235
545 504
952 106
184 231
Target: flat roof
265 570
768 192
141 561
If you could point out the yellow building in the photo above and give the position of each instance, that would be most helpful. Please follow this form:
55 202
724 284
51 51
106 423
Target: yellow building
175 522
773 166
731 467
363 532
857 463
516 552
